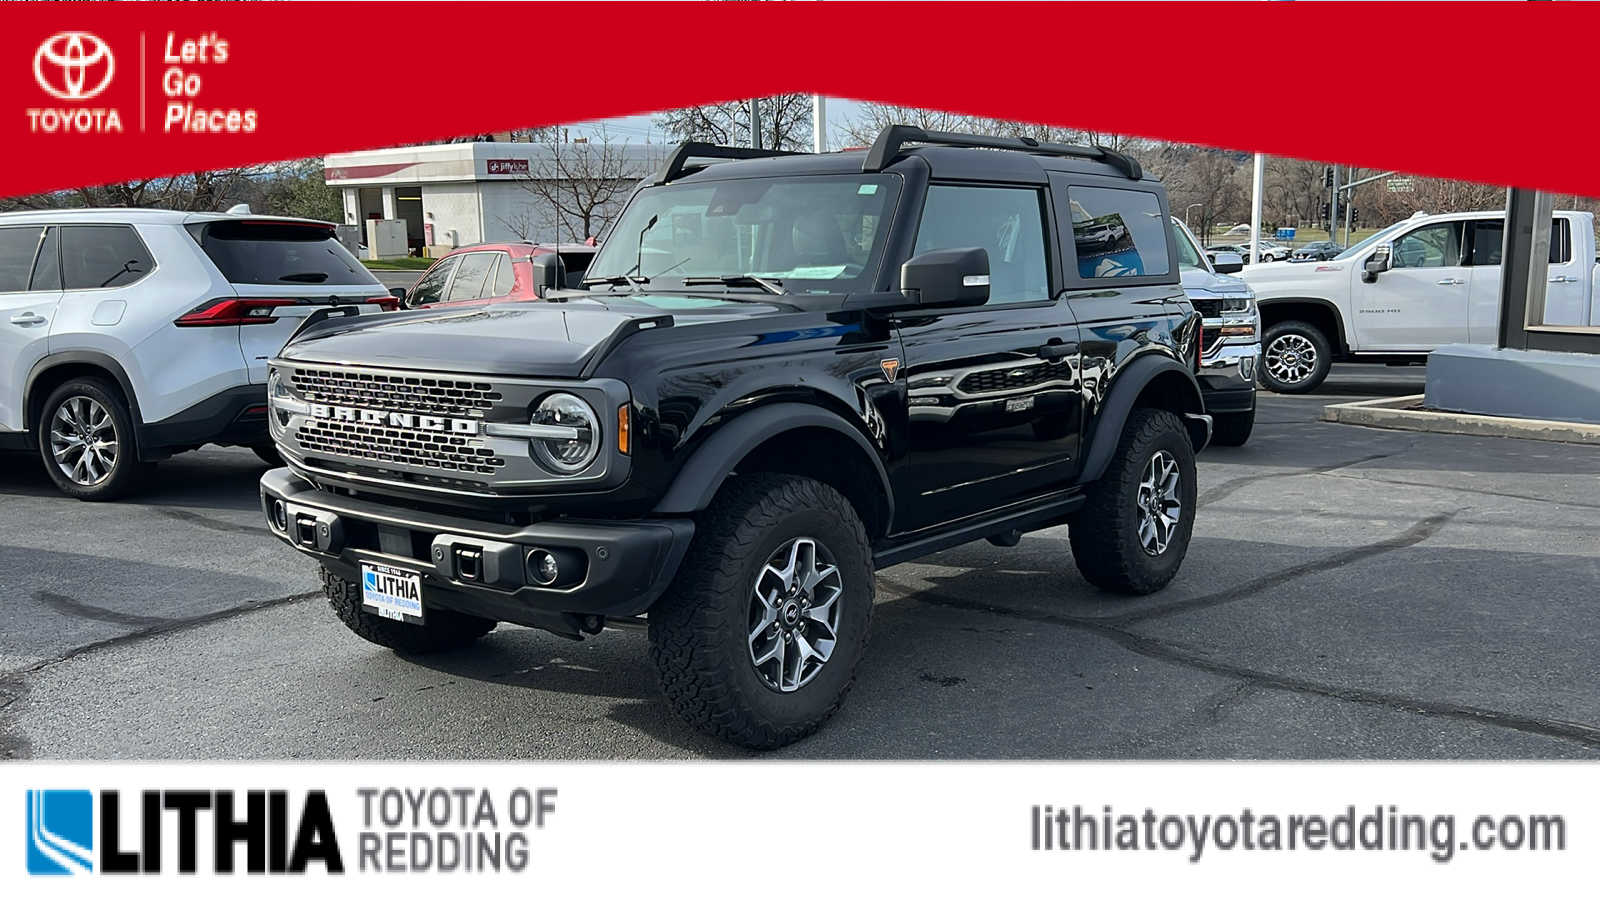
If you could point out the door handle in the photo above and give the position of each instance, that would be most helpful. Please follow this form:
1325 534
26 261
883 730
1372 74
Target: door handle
1058 351
1450 281
1563 279
28 318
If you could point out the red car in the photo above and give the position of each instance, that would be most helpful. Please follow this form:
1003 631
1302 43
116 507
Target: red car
493 273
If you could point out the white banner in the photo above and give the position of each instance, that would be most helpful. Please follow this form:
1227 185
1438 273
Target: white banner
793 829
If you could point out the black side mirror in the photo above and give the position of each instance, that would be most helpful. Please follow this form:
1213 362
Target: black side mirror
549 273
954 277
398 294
1377 262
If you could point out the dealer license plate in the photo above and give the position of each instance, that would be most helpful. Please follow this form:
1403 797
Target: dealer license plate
392 593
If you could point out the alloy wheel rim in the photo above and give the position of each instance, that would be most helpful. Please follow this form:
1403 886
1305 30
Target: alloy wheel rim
83 441
794 614
1160 506
1291 358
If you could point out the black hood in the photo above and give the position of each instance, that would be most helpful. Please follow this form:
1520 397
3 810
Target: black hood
556 340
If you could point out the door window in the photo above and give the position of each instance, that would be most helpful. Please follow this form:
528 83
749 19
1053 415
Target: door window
47 269
504 277
470 276
17 249
431 286
102 256
1118 233
1007 222
1488 241
1429 247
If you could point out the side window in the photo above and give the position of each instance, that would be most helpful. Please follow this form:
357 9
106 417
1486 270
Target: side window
1118 233
17 249
102 256
1488 239
1560 241
1429 247
47 269
470 276
431 286
1008 222
504 277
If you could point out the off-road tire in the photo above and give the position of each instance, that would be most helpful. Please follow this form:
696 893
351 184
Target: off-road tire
1105 532
442 629
1232 429
699 638
1319 373
128 472
267 453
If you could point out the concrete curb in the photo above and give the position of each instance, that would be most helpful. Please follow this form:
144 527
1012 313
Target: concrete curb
1392 412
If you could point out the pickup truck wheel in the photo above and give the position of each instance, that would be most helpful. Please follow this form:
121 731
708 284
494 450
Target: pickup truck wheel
1295 358
442 629
87 441
756 641
1133 533
1232 429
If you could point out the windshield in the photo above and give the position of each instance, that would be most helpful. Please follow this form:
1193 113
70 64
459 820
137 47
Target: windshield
1188 254
1383 235
809 233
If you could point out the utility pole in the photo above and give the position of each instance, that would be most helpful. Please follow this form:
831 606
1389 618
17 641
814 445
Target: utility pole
755 123
1258 183
1333 206
819 123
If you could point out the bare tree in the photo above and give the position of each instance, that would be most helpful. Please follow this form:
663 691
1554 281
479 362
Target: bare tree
1212 180
785 122
577 188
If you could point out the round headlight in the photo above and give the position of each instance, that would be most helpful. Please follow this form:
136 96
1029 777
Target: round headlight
576 448
275 392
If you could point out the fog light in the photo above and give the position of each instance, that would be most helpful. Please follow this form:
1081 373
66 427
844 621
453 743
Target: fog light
280 515
543 568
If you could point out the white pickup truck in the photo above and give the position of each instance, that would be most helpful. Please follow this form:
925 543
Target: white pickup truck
1440 284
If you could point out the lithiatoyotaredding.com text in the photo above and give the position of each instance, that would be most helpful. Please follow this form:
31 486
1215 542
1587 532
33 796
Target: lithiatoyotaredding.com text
1377 828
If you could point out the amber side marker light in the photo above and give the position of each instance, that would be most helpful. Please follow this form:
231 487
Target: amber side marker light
624 434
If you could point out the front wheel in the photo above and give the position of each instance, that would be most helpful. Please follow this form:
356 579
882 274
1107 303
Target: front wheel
1132 534
1295 358
756 641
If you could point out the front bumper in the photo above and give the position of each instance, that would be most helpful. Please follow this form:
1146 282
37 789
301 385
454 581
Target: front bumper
1228 377
609 568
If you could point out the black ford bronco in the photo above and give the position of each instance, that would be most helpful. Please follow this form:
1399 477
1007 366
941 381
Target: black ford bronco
783 372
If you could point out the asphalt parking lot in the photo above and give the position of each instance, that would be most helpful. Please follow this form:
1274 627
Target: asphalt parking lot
1349 593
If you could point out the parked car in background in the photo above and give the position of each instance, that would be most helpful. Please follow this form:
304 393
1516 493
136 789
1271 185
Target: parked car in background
128 335
1316 251
1418 284
1231 343
498 273
1272 251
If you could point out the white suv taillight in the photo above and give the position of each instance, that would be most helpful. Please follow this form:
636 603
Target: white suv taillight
233 311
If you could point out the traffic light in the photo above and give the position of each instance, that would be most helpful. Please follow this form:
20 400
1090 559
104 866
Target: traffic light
1355 216
1325 209
1327 178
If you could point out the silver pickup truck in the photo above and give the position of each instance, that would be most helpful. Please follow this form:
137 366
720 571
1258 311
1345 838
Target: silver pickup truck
1232 336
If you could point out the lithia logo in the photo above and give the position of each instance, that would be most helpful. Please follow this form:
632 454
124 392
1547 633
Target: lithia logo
61 837
393 419
73 67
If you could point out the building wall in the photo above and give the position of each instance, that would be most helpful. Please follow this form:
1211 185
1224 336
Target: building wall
453 207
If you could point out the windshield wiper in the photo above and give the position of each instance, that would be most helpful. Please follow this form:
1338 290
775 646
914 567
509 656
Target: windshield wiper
770 285
616 279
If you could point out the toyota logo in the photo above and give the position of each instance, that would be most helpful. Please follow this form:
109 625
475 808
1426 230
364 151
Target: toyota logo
73 65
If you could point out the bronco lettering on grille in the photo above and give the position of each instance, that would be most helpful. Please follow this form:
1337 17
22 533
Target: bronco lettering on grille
394 419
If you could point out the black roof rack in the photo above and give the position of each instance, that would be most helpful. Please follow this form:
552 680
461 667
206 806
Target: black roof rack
678 161
893 138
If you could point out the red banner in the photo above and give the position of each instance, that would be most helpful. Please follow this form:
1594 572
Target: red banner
1492 92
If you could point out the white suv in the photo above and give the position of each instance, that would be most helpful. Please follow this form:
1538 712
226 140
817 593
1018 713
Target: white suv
127 335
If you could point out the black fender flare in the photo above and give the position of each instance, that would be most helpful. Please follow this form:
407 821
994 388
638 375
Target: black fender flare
1341 342
702 475
1125 390
80 357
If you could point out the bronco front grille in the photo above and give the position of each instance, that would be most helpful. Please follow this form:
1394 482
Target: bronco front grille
436 395
414 393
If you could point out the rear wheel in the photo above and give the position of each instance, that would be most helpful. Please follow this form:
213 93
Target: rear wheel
1133 533
756 641
87 442
443 629
1295 358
